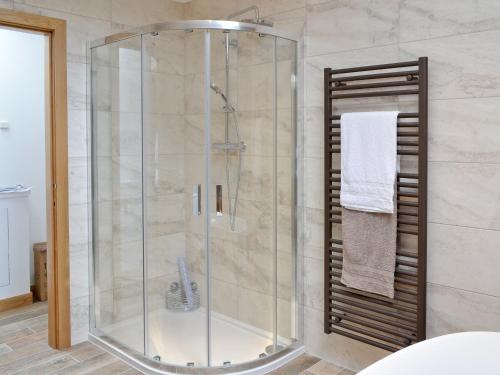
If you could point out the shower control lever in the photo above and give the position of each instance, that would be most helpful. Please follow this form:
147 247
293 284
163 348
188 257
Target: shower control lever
218 203
197 200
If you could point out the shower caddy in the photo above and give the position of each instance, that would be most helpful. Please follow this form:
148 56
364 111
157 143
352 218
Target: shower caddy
390 324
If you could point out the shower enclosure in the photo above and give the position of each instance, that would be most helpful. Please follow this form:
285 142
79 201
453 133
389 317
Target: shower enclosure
193 216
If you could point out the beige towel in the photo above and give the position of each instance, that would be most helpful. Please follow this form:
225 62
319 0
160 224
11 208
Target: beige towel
369 251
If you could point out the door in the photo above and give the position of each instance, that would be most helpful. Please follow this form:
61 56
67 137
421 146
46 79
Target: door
117 192
175 181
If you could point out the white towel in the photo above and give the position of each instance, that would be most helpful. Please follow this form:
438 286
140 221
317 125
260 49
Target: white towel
368 161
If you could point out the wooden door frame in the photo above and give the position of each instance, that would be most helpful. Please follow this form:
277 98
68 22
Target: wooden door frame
56 145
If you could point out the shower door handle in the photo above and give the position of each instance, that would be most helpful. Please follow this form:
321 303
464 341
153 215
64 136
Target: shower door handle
218 199
196 200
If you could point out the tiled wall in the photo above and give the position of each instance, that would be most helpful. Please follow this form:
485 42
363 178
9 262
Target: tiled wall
460 39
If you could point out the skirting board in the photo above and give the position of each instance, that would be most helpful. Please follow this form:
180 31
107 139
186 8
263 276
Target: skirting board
15 302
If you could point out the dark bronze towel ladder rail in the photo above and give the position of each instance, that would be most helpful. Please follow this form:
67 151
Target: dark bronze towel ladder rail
390 324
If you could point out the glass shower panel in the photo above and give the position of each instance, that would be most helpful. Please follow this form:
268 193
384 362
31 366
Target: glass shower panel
242 253
285 145
174 202
117 191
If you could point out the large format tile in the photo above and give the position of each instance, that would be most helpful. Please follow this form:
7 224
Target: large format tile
463 257
314 235
130 12
77 133
79 275
461 66
272 7
164 215
315 134
79 319
77 180
163 94
451 310
77 86
464 130
165 52
314 176
202 9
464 194
92 8
78 226
314 293
347 25
425 19
263 316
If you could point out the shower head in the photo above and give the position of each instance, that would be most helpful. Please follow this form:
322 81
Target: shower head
218 91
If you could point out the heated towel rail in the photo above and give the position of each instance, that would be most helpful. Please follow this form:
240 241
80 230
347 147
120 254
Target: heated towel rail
387 323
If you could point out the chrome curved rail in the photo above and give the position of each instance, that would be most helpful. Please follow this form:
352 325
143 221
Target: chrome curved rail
151 367
194 24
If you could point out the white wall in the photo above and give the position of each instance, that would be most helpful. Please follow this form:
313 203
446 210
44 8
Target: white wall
22 104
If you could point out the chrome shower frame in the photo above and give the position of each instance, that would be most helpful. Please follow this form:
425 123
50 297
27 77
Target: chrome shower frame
137 359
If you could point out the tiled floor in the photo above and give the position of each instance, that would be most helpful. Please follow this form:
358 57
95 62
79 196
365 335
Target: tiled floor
24 350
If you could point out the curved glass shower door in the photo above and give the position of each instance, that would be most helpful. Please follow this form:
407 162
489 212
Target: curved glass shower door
193 181
175 184
117 199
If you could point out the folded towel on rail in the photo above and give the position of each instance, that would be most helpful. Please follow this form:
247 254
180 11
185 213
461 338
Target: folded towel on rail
369 251
368 161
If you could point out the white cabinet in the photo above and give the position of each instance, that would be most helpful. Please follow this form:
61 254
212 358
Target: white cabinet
4 247
14 243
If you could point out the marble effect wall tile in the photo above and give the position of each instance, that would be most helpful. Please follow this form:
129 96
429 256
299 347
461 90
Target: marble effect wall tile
247 300
426 19
77 86
79 308
313 283
313 175
77 133
313 233
165 52
461 194
132 13
78 179
79 279
464 130
347 25
164 94
272 7
162 253
78 226
164 215
451 310
100 9
202 9
162 134
460 257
